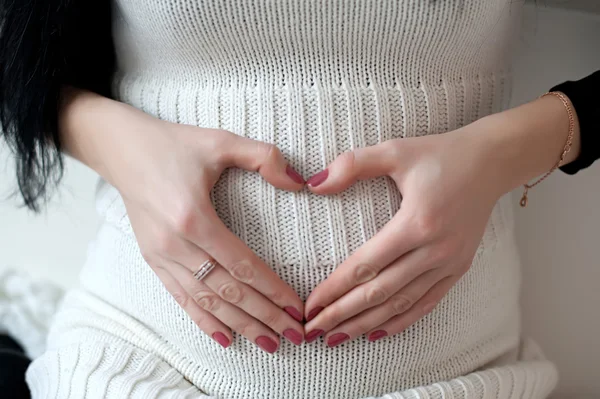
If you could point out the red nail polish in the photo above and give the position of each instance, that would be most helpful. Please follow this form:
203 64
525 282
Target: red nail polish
221 339
337 339
375 335
293 336
313 313
318 178
267 344
295 176
295 313
314 334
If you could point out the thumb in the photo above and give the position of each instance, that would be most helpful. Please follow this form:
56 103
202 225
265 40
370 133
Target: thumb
264 158
349 167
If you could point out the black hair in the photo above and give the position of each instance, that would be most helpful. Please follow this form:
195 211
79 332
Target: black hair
46 45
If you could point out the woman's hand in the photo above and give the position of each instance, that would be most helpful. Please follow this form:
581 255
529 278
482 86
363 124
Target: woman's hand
449 189
449 183
165 173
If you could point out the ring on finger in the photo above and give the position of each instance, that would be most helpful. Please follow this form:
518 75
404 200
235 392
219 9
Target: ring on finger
206 267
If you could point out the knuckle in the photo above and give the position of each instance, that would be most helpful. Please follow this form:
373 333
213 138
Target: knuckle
276 296
375 295
444 250
427 225
271 319
244 327
347 160
364 272
166 244
206 300
223 137
181 298
392 149
219 140
242 271
231 292
221 150
203 235
401 303
184 219
335 316
271 152
362 326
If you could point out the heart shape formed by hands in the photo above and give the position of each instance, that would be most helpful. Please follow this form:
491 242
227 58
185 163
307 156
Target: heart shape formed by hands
400 275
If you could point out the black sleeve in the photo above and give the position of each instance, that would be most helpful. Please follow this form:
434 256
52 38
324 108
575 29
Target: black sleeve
46 45
585 96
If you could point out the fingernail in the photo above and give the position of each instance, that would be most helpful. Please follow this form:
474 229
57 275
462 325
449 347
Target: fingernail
295 313
267 344
295 176
221 339
314 334
313 313
318 178
375 335
337 339
293 336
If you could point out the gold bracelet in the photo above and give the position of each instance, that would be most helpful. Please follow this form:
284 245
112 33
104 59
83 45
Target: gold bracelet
566 150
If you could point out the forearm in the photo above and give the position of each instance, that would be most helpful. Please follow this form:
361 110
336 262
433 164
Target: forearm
525 142
94 129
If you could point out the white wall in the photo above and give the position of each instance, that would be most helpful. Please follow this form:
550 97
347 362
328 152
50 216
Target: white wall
51 245
558 231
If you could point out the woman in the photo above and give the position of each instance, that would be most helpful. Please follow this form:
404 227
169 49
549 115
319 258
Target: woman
399 252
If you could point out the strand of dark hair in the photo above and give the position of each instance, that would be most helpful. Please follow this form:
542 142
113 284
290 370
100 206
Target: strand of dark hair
46 45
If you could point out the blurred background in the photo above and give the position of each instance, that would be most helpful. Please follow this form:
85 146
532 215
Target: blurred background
559 232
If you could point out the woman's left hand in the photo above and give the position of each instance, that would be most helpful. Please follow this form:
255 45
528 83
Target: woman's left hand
449 184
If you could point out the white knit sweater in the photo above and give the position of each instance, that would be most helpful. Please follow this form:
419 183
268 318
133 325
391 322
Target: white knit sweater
316 78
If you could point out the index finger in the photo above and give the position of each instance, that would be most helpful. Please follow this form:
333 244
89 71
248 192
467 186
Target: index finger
390 243
242 263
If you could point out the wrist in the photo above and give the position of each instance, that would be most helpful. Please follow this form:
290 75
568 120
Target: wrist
525 142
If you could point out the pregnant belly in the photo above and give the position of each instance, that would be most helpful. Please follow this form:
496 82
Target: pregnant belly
303 238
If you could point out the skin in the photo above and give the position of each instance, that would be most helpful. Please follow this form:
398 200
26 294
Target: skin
165 172
449 184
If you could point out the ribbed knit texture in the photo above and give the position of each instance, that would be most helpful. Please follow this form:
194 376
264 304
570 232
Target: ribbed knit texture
316 78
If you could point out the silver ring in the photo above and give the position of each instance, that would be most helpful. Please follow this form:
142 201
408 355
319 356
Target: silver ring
204 269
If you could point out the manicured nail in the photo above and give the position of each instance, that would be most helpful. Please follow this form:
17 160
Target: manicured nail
295 176
313 313
293 336
295 313
314 334
267 344
375 335
337 339
221 339
318 178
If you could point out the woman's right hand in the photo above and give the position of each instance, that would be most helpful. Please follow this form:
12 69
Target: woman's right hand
165 173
